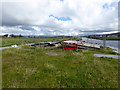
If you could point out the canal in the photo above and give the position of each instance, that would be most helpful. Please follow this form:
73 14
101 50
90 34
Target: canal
109 43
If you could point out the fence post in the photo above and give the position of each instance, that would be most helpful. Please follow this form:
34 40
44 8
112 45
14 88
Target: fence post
104 41
19 42
39 41
87 40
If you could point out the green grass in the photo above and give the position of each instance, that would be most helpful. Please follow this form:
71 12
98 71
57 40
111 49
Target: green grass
25 40
106 51
32 67
100 38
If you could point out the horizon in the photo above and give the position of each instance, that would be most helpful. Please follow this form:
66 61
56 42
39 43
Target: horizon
61 35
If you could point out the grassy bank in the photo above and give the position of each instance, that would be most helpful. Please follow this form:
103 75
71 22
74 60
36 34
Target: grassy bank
35 67
25 40
100 38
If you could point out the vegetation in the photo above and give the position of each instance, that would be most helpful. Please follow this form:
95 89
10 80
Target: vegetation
12 35
38 67
24 40
106 51
101 38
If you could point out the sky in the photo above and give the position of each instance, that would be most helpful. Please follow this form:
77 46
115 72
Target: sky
59 17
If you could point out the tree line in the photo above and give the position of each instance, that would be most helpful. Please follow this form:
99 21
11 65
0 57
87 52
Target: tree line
12 35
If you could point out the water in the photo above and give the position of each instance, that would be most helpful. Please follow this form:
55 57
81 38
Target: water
109 43
103 55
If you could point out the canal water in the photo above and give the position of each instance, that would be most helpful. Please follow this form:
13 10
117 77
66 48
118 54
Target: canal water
110 56
109 43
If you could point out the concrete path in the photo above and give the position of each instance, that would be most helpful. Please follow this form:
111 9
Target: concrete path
13 46
1 48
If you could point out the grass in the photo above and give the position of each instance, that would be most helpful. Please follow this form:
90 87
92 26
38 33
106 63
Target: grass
25 40
107 38
106 51
33 67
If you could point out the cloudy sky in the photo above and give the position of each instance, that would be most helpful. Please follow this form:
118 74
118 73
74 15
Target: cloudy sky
59 17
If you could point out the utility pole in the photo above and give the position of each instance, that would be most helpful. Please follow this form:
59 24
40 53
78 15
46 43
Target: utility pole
104 41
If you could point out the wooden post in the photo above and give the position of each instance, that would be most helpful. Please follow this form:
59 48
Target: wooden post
39 41
19 41
104 41
63 45
91 43
27 41
87 40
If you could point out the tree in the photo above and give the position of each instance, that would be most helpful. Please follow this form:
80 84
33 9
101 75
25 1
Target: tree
6 35
12 35
20 35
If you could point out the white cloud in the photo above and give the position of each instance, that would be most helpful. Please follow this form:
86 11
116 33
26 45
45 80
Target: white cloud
86 15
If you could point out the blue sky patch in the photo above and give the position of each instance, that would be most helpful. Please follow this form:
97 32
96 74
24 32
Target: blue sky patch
61 0
105 6
61 18
113 4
